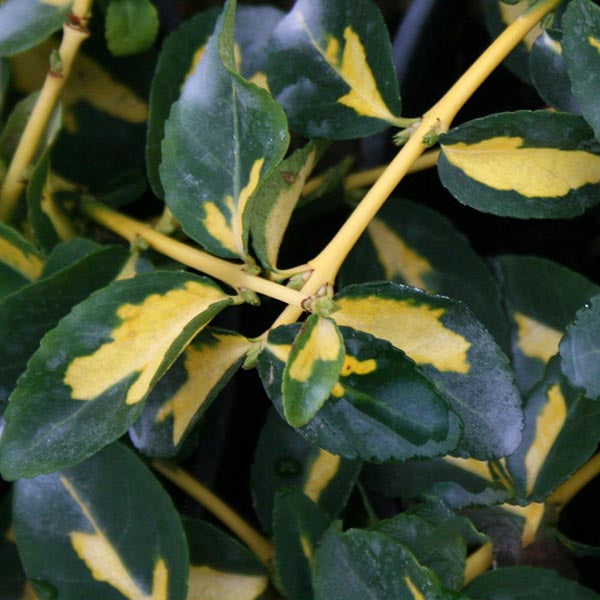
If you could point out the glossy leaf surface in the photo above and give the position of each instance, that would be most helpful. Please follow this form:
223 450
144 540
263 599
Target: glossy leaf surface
103 529
330 65
209 178
452 348
381 408
524 164
184 394
539 320
77 397
284 460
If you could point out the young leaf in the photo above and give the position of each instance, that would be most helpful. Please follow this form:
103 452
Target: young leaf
579 349
330 65
452 348
103 529
361 564
382 408
562 430
180 53
220 567
28 314
539 320
285 460
540 164
276 199
26 23
518 583
131 26
312 369
298 526
214 153
184 394
86 384
581 44
414 245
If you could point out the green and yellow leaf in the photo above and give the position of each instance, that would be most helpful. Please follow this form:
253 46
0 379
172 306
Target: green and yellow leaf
286 460
331 67
184 394
449 345
312 369
70 522
20 260
226 168
114 347
523 164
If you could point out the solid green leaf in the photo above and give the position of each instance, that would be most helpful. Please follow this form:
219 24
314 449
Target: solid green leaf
382 408
549 72
361 564
526 583
312 369
411 244
220 141
442 551
66 253
103 529
298 525
285 460
86 384
538 321
581 49
131 26
457 482
14 582
28 314
562 430
184 394
579 349
275 200
526 164
180 53
26 23
330 65
220 567
452 348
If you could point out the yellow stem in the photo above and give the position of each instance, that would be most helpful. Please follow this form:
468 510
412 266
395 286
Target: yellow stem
261 547
221 269
436 120
563 494
479 562
74 33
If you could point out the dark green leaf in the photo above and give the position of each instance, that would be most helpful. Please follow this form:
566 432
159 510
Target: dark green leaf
298 526
103 529
184 394
539 320
26 23
330 65
526 583
67 253
414 245
131 26
524 164
382 407
579 349
562 430
180 53
452 348
86 384
312 369
285 460
221 567
28 314
367 564
220 141
549 72
581 45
